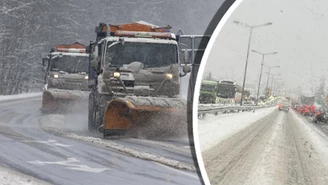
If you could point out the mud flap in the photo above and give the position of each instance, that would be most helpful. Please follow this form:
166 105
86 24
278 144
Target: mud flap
128 113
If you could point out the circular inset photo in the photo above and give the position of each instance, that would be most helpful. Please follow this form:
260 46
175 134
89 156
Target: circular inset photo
261 99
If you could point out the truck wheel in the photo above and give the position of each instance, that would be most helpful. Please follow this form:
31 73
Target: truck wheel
95 117
91 113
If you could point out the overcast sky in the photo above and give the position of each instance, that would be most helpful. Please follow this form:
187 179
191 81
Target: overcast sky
298 33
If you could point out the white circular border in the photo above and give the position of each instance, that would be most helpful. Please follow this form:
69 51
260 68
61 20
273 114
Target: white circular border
197 88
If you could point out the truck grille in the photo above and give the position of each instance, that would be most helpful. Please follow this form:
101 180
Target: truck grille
74 86
126 83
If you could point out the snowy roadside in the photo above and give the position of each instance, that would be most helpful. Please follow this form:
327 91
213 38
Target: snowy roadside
11 177
19 96
214 129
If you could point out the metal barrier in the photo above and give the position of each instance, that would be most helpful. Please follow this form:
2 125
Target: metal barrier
215 109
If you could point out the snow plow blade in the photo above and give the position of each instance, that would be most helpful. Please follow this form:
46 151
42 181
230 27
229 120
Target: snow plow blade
127 113
60 101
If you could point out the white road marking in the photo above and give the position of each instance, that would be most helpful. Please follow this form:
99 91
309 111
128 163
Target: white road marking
88 169
50 143
69 165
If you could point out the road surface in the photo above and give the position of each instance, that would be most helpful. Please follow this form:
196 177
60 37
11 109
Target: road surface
281 148
28 148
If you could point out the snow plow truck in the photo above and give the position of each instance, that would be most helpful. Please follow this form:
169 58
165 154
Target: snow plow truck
208 92
135 78
66 78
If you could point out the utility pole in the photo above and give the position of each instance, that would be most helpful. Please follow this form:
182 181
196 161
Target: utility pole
270 67
248 48
262 63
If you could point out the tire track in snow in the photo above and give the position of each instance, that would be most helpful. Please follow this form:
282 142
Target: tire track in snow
231 161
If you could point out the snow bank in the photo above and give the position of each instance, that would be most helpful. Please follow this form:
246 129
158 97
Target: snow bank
214 129
19 96
50 123
10 177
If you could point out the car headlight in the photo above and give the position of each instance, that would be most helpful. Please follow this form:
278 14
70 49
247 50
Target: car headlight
56 76
168 76
117 74
86 77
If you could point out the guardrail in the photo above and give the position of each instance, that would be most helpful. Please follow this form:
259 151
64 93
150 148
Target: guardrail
215 109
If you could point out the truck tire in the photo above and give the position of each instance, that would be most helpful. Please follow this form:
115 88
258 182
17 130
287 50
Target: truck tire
96 111
91 113
100 108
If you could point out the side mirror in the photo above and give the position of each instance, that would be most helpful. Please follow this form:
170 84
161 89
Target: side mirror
121 40
88 49
186 57
94 64
186 69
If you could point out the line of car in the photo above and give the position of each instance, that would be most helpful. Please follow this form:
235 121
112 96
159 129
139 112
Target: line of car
317 114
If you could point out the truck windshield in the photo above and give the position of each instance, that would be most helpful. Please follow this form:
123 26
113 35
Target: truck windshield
150 54
70 64
206 87
226 91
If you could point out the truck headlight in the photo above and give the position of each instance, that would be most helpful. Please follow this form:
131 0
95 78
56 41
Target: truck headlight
56 76
168 76
117 74
86 77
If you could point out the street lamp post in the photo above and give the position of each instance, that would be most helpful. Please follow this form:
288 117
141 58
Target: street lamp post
274 84
272 76
270 67
262 63
248 48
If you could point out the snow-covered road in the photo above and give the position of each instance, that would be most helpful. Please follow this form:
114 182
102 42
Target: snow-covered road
12 177
214 129
279 148
72 155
